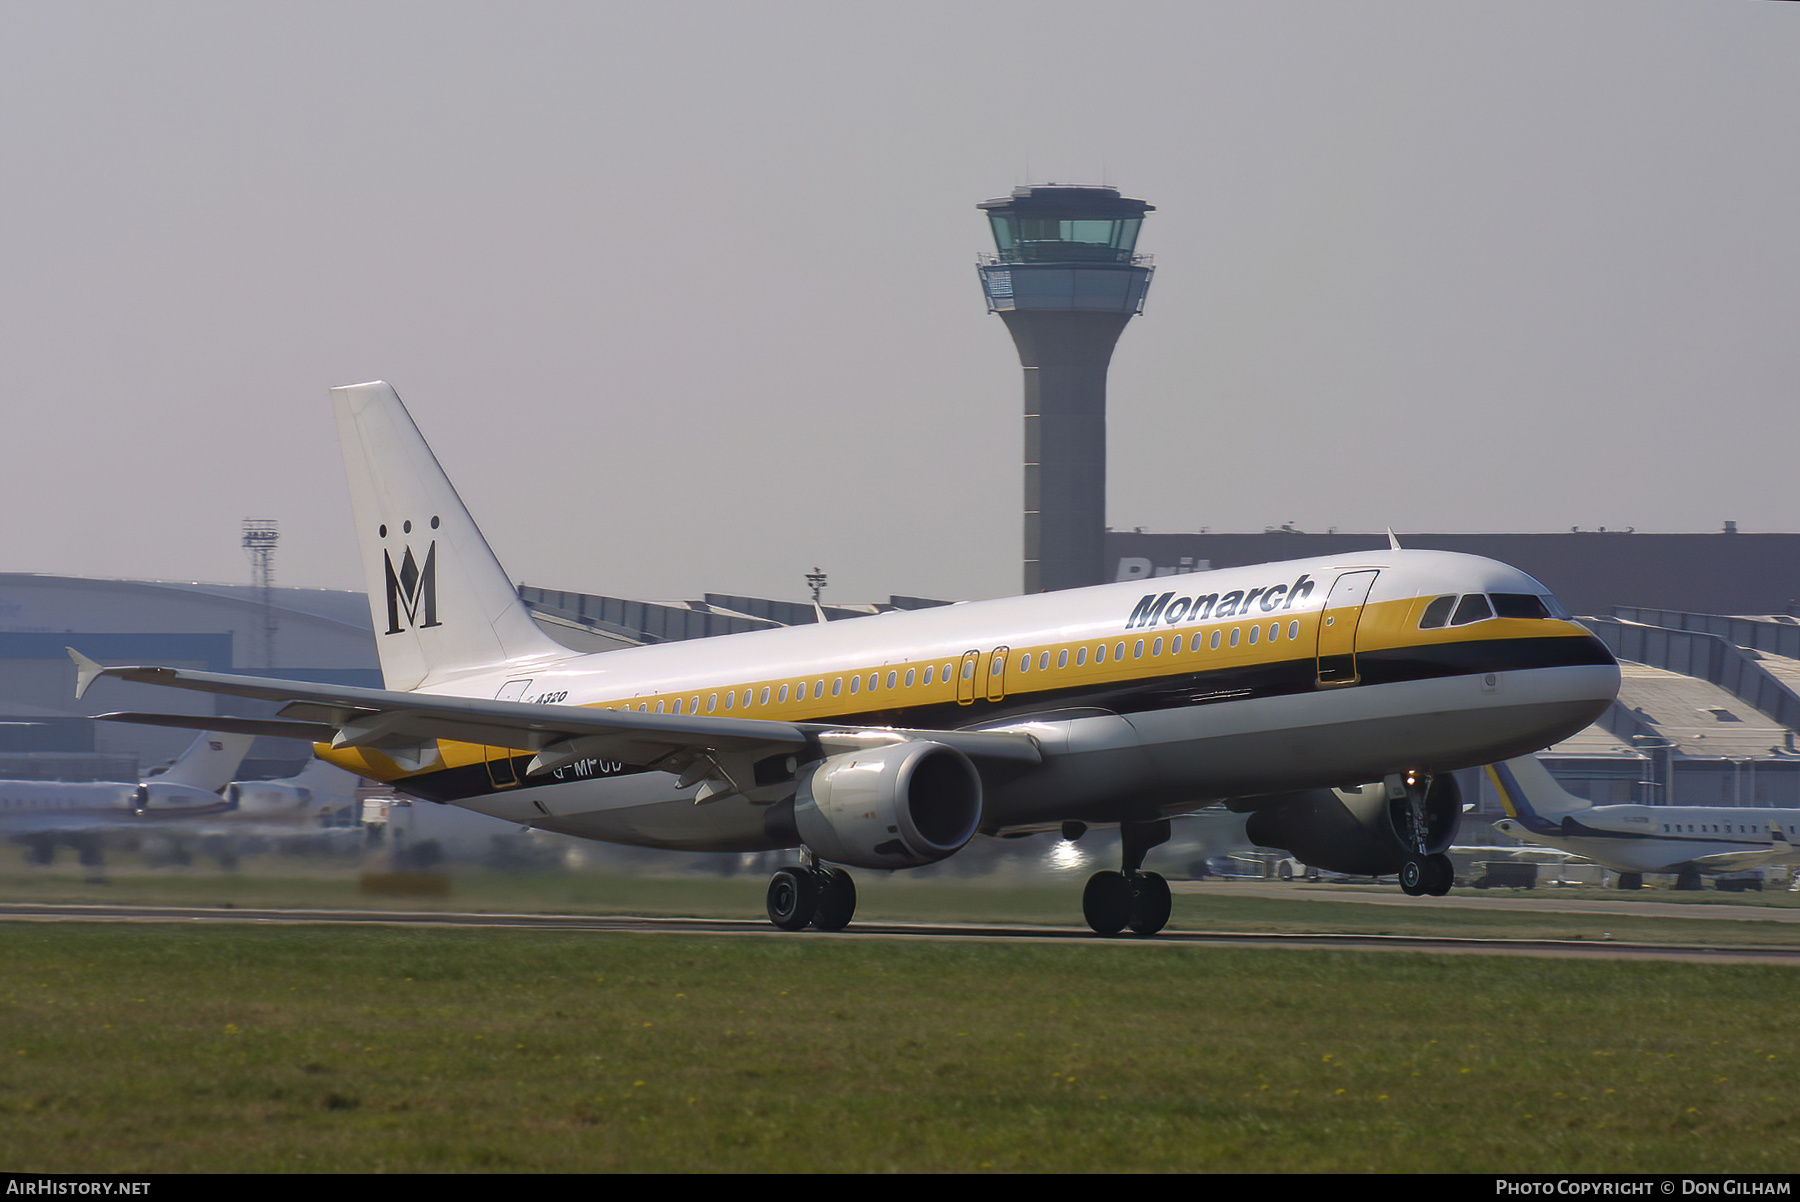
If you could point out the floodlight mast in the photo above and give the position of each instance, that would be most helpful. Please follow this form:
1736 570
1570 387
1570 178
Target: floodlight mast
1065 278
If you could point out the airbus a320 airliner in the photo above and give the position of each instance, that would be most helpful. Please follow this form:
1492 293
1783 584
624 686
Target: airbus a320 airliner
1328 697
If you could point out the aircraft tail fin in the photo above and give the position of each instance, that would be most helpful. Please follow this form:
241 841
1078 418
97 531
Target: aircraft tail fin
1529 793
441 602
209 762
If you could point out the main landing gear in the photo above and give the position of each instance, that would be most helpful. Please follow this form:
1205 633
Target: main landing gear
807 895
1131 898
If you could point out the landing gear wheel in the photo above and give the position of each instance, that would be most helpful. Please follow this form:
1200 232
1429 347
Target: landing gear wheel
793 898
1412 877
1106 903
1149 903
837 900
1440 874
1631 880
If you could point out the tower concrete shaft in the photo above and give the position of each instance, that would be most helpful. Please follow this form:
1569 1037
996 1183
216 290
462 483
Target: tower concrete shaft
1065 279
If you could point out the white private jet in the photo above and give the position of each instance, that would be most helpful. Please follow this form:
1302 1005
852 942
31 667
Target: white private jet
1632 839
39 814
890 741
301 798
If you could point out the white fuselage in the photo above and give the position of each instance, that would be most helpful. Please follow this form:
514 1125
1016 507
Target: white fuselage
1636 838
1173 704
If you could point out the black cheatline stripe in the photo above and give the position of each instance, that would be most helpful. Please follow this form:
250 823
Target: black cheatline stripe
1284 678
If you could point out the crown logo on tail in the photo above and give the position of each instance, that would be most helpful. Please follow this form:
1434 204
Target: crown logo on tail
411 591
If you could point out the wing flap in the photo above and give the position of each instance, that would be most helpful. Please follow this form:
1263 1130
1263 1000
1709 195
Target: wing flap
311 732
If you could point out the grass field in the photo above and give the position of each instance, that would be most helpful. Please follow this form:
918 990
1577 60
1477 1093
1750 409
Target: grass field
168 1048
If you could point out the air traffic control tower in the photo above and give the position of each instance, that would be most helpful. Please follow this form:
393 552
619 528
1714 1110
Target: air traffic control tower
1065 280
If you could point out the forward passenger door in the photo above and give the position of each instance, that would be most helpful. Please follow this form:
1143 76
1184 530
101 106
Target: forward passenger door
1337 627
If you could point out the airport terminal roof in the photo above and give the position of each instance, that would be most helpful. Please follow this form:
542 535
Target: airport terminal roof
1699 718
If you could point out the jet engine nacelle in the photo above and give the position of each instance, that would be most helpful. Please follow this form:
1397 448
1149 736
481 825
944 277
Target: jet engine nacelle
154 798
268 798
1362 832
897 806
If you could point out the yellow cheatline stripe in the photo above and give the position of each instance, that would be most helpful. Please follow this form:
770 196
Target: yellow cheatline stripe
1386 625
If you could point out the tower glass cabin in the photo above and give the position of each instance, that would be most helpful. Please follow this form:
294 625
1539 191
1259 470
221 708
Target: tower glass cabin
1065 278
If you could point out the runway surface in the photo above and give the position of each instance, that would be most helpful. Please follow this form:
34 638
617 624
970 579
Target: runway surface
1618 903
29 912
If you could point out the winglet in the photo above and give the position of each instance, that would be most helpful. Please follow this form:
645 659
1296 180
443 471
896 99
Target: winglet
1393 543
86 671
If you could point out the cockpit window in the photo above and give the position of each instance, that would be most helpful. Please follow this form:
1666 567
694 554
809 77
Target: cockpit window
1437 613
1519 605
1474 607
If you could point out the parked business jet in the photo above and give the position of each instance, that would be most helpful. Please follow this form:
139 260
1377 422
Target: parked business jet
890 741
301 798
42 813
1631 839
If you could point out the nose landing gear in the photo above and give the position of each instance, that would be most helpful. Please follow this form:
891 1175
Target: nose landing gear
1422 873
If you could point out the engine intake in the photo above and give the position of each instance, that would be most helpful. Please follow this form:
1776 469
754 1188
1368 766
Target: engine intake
1360 832
898 806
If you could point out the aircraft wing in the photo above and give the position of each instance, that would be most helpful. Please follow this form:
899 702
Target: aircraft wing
1743 861
407 726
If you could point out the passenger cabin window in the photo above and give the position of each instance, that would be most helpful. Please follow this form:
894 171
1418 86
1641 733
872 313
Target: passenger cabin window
1519 605
1473 607
1437 613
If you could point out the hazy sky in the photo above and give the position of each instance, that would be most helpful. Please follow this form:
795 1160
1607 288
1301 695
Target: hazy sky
684 294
